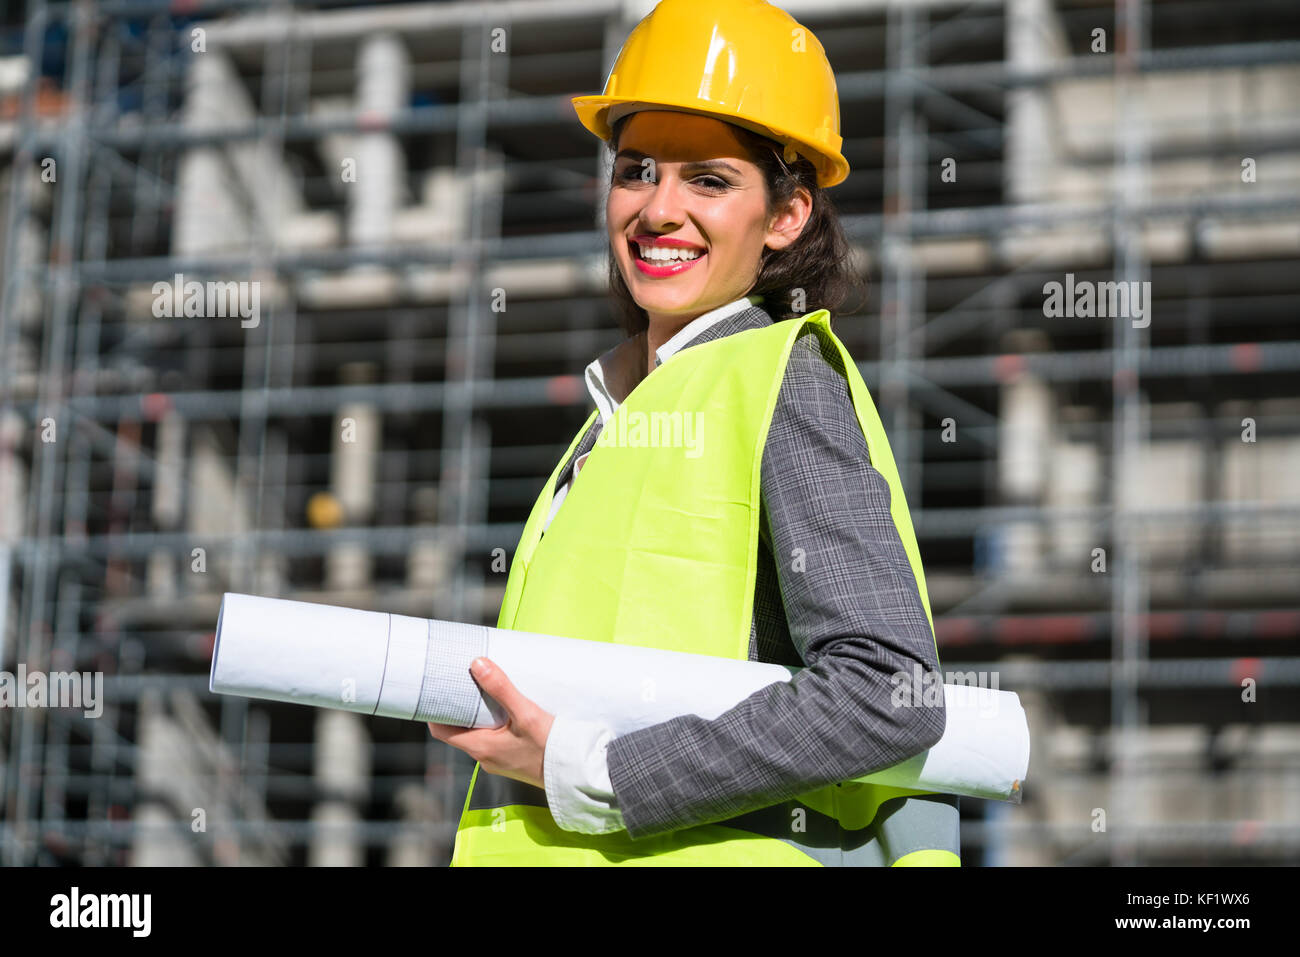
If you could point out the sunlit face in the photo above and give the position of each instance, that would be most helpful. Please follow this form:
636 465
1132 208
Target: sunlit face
700 196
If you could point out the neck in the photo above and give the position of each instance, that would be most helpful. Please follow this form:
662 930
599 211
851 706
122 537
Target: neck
660 330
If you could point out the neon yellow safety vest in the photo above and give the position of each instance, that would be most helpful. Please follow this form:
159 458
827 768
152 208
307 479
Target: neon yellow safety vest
657 546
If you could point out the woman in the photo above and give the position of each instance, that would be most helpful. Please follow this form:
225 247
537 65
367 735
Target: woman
772 526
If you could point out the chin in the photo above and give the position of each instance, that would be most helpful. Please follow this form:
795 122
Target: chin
664 305
655 296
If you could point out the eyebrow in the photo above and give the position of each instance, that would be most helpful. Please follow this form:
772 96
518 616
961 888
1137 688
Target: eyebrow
697 164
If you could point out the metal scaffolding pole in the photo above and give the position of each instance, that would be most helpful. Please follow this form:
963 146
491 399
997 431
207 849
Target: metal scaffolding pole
904 194
35 619
471 337
1128 567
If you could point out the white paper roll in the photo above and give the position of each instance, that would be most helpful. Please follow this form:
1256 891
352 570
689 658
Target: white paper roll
418 669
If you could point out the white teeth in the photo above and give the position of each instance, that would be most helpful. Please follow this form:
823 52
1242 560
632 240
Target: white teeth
668 253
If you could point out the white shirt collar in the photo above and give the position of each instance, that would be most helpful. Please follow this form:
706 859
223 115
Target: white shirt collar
607 405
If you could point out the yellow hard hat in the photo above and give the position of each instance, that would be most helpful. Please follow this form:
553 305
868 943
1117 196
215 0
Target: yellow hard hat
743 61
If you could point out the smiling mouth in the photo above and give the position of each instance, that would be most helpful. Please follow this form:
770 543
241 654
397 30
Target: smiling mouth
662 266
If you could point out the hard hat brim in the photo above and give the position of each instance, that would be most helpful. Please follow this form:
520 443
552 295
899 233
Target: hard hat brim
832 168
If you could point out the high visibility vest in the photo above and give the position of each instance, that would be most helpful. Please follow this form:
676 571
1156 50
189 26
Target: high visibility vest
657 545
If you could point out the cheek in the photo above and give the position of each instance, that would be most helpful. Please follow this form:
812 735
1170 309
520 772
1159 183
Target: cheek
735 234
619 210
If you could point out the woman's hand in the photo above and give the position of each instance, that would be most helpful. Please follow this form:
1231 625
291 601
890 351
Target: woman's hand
517 748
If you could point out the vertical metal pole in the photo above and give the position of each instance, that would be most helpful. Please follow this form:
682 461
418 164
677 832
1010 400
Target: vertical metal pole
897 280
250 470
15 278
35 620
471 339
471 324
1128 584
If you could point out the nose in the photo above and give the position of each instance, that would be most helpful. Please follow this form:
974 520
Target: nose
663 210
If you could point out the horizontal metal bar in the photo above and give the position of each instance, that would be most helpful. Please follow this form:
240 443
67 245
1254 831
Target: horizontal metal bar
396 539
1246 358
1001 75
1269 838
968 221
1151 674
1075 628
299 832
558 110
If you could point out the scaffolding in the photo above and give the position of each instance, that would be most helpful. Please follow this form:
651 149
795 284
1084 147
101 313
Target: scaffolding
1109 512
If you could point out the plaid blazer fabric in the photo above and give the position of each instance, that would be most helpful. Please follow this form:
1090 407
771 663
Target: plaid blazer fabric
834 592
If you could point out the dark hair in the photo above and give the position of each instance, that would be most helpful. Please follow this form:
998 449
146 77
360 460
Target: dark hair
817 263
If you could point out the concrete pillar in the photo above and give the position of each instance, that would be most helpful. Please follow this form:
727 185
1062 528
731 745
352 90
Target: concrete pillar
1167 472
1025 441
427 561
216 507
1074 481
342 773
1034 40
383 90
353 470
166 503
13 507
414 845
163 764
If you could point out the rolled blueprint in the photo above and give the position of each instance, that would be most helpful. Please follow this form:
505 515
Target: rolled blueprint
418 669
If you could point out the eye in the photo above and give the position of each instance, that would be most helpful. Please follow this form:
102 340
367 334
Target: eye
712 182
633 172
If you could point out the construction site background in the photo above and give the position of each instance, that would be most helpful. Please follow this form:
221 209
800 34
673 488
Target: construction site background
1108 507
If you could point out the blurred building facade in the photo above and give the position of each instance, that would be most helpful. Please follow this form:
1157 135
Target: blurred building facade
1108 504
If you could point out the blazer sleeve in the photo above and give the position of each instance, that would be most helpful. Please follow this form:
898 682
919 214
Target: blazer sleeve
855 618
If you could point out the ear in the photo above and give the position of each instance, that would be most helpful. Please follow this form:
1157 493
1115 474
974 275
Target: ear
789 223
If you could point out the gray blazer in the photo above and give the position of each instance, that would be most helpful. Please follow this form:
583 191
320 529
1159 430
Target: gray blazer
853 615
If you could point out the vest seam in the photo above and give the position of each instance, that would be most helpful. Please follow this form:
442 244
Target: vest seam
756 466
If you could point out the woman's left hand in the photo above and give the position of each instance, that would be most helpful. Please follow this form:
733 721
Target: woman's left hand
517 748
